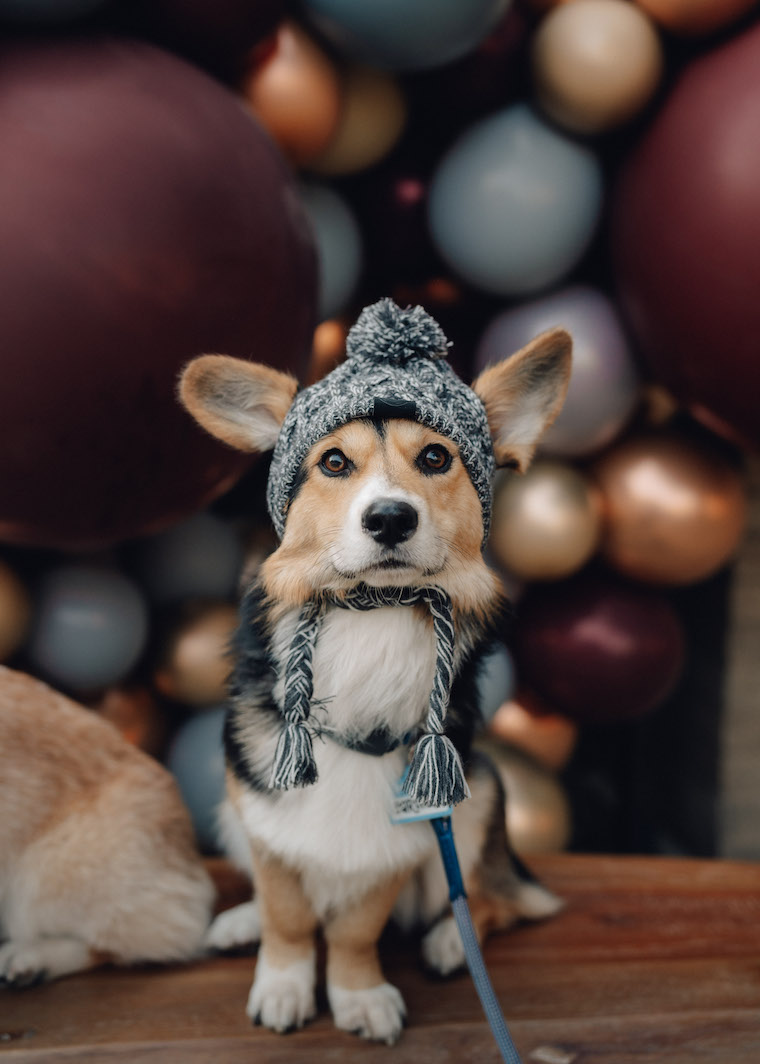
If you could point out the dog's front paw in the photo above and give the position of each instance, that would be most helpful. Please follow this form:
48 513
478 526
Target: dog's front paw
234 928
282 998
21 965
377 1013
442 948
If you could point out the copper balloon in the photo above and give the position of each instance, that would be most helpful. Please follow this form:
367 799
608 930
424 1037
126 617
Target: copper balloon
135 713
372 120
328 348
537 809
675 509
15 612
196 663
695 17
295 93
525 722
547 523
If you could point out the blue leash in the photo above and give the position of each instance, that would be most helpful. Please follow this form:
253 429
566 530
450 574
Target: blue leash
445 835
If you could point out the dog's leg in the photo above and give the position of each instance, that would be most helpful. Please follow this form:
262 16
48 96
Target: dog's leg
27 963
282 995
360 998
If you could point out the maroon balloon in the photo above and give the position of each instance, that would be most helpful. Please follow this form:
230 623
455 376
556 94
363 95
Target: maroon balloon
598 651
144 218
686 238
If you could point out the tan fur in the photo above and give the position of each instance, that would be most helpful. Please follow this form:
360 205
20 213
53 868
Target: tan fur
241 403
352 937
95 844
288 922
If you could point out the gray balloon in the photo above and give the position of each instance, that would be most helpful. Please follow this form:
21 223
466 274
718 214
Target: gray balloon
339 247
198 558
514 203
90 627
196 760
496 680
604 385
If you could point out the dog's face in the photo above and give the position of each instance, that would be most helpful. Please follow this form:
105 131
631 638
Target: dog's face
383 503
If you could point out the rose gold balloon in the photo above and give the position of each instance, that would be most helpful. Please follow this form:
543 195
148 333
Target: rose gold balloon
695 16
546 523
196 664
15 612
596 63
537 809
134 712
525 723
372 120
675 509
295 93
328 348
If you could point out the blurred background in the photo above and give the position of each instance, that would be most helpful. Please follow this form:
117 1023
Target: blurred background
242 176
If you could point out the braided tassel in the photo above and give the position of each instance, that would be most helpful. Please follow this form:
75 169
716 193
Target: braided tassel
436 777
294 764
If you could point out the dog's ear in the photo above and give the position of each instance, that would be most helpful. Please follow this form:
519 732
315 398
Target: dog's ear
242 403
524 394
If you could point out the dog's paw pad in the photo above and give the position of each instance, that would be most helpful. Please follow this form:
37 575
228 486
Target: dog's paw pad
21 966
442 948
236 927
376 1013
282 998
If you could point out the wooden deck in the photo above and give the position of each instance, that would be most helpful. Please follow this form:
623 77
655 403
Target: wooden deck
654 959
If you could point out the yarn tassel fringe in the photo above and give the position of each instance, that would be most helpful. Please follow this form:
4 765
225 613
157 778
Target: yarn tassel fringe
436 777
294 764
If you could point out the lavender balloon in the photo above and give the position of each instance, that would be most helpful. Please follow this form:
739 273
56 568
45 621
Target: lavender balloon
339 246
604 386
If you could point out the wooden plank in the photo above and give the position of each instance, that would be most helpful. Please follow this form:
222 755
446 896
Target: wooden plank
656 958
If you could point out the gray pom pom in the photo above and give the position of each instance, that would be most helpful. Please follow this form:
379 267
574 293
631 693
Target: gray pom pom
385 332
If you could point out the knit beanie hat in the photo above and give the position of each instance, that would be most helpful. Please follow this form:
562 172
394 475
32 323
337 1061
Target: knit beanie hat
396 367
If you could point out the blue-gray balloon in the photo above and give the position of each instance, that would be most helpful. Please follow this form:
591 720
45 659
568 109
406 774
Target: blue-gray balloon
514 203
604 384
90 627
198 558
196 760
406 34
339 247
496 680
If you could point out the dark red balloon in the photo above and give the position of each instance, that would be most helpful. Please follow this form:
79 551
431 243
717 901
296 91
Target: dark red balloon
598 651
686 239
144 218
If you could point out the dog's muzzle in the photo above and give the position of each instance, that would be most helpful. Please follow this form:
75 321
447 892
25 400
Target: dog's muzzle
390 521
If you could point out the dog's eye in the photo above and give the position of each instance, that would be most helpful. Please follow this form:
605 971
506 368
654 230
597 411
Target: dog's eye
435 459
334 462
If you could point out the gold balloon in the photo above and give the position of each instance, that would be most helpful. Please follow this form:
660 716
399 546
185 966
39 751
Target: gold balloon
296 94
695 17
546 523
196 662
134 712
15 612
372 120
596 63
675 509
537 809
328 348
525 723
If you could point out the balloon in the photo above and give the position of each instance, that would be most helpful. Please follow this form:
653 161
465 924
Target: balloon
15 612
675 509
135 714
90 627
328 348
496 680
339 247
514 203
546 523
596 63
604 385
296 95
196 759
372 120
598 651
686 238
198 558
537 809
196 662
695 16
525 723
171 228
403 36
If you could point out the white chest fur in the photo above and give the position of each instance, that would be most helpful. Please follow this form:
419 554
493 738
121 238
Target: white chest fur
371 670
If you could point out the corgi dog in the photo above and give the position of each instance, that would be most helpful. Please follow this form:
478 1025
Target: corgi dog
97 857
378 502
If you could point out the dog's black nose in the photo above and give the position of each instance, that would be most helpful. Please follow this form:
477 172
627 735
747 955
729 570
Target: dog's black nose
389 521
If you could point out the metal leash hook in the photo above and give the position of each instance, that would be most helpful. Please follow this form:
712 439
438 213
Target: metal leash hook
445 835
